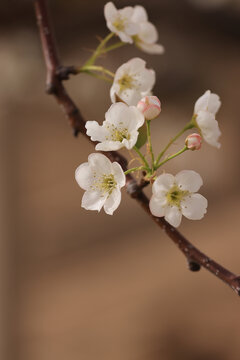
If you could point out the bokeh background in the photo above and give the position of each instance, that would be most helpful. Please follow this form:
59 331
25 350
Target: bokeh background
80 285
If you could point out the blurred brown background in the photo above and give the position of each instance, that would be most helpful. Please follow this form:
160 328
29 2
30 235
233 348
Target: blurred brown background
80 285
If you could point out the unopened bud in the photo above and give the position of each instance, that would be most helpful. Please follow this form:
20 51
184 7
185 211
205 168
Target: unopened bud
150 107
193 141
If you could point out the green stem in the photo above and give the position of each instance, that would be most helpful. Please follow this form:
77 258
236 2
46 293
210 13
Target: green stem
99 50
101 77
189 125
134 169
87 68
172 157
113 47
150 142
142 157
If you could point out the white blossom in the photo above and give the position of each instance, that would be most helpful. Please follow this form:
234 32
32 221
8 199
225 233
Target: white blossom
132 82
150 106
174 196
120 23
147 35
102 180
205 110
120 128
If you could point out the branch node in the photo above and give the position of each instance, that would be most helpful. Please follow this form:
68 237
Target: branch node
193 266
63 72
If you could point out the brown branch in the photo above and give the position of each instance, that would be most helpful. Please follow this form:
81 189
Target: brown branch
55 74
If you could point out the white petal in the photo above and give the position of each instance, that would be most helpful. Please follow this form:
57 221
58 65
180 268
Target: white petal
209 128
148 33
95 131
109 146
93 200
136 118
131 29
164 182
208 102
119 175
129 144
194 207
84 176
113 93
100 163
158 206
189 180
131 96
136 65
147 80
151 48
126 12
139 14
119 114
110 11
112 202
123 36
173 216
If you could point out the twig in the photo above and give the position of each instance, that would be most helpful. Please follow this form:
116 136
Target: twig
55 74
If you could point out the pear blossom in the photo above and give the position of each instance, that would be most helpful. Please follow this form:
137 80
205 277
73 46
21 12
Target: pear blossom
174 196
102 180
193 141
120 23
147 35
205 110
150 106
120 128
132 82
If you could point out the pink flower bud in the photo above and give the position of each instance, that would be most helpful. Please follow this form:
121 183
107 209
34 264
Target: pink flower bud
193 141
150 107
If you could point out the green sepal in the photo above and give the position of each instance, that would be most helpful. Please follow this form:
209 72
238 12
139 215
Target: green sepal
142 137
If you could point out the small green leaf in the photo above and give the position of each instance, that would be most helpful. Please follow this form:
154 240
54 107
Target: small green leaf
142 137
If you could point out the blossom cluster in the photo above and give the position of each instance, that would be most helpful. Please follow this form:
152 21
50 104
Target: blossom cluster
131 25
127 125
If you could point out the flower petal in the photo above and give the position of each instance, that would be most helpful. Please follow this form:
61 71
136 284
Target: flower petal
148 33
163 183
139 14
194 207
158 205
100 163
84 176
131 29
189 180
208 102
156 49
110 11
112 201
119 175
96 131
209 128
93 200
109 146
173 216
124 37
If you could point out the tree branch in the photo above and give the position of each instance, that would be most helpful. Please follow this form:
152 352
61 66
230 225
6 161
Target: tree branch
56 73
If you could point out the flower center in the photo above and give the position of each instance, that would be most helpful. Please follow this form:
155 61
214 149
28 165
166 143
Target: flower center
105 183
119 23
117 134
175 196
126 82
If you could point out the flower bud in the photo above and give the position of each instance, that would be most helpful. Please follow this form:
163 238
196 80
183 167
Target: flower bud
193 141
150 107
